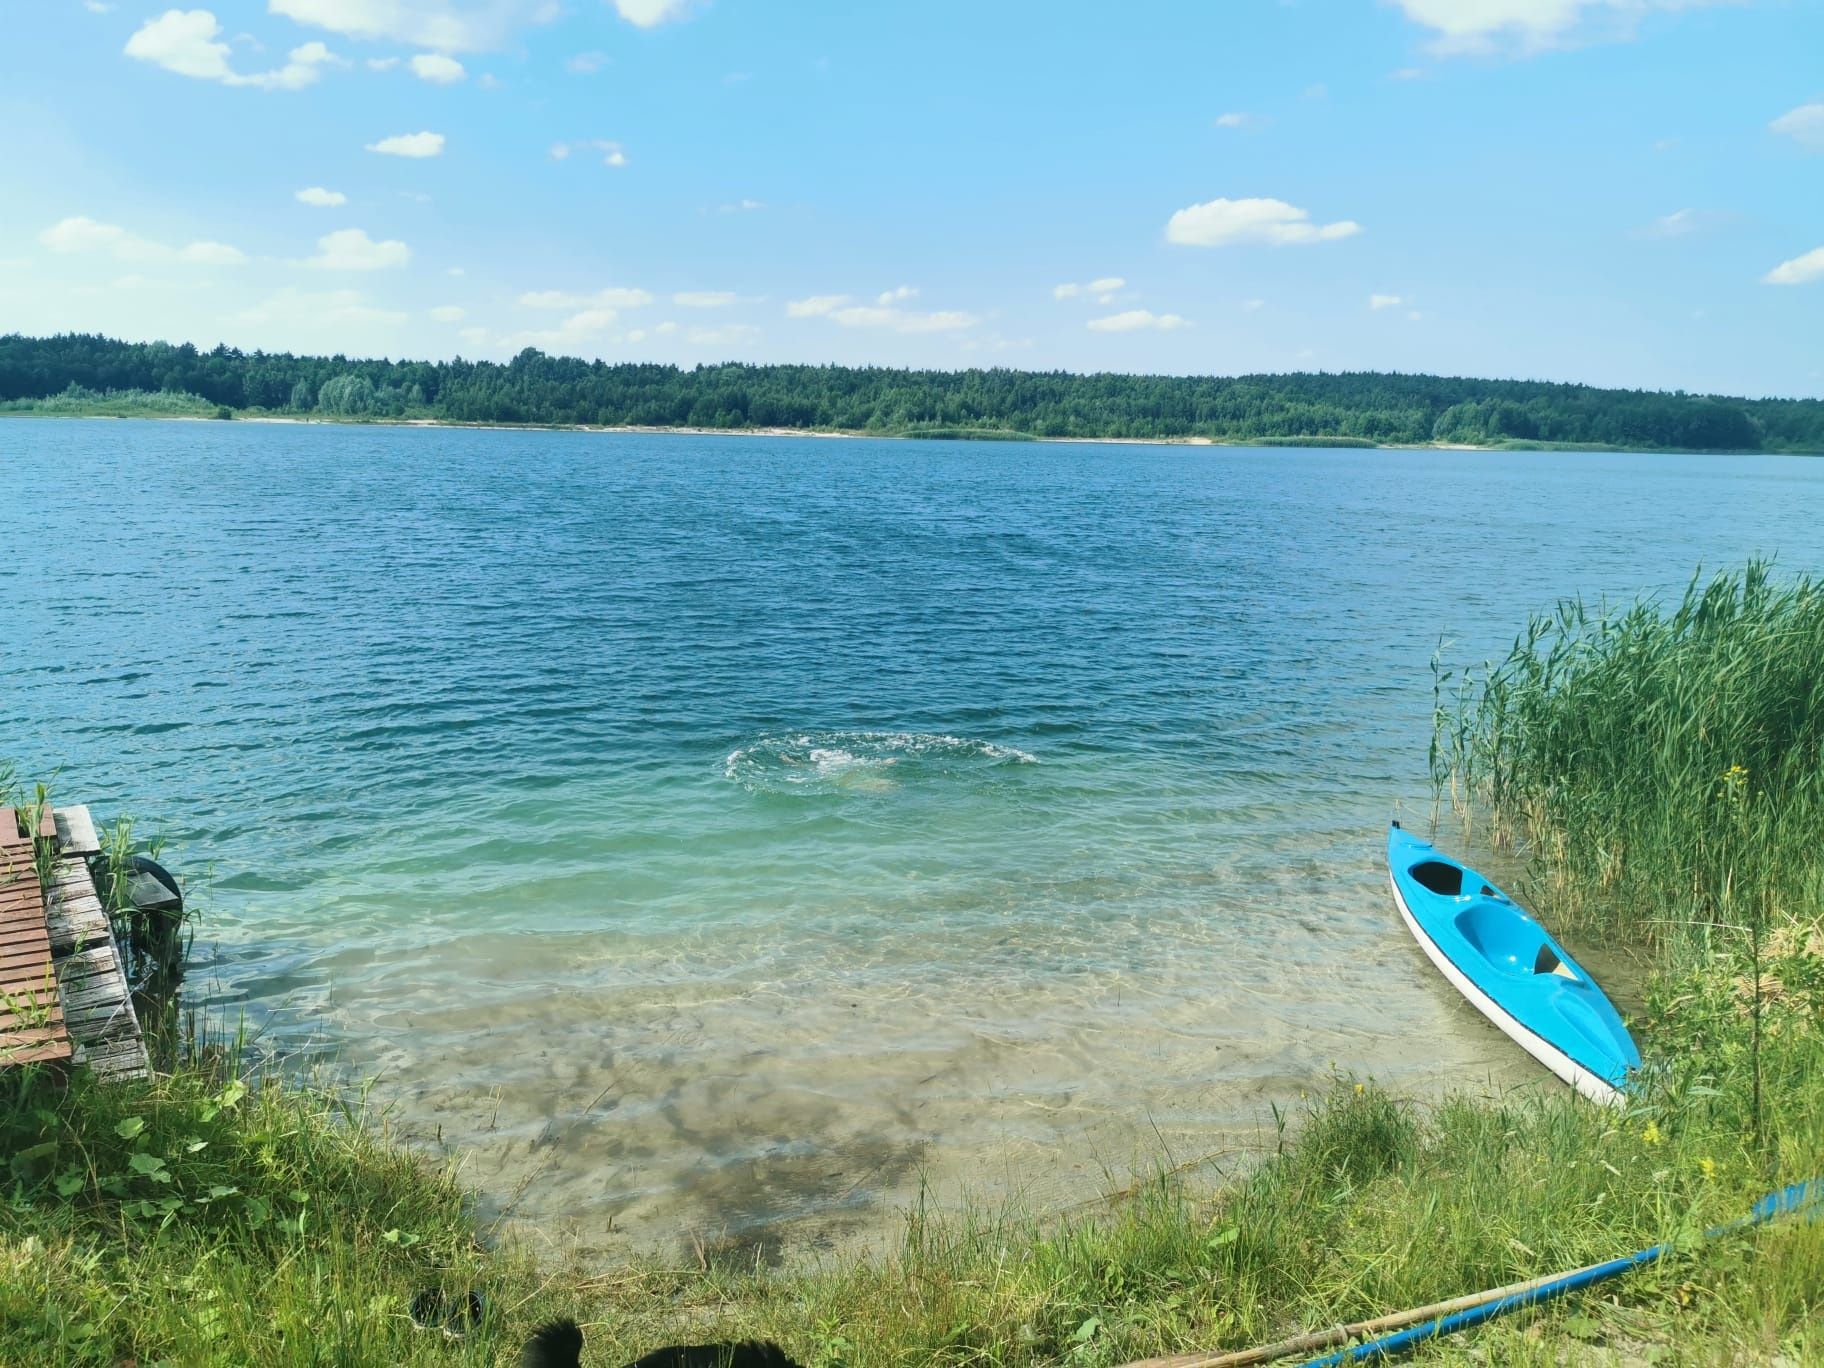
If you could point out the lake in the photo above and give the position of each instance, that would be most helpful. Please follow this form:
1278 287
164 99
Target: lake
728 837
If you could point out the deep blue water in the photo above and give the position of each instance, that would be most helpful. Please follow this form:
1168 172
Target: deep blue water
768 822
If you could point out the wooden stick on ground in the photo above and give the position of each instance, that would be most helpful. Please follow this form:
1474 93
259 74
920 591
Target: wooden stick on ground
1341 1334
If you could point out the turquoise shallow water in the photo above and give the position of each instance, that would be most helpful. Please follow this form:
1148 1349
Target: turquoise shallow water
725 834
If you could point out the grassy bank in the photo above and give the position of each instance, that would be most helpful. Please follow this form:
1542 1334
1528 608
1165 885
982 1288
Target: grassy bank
81 403
1659 768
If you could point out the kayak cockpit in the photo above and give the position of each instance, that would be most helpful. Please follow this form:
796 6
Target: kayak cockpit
1446 880
1510 940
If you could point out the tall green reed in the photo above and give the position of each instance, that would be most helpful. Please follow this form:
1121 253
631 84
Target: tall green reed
1661 765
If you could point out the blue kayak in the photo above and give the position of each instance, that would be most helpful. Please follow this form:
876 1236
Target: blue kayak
1516 975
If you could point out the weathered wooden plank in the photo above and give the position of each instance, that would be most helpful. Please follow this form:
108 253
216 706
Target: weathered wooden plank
49 1019
117 1060
25 965
50 1053
96 959
50 1022
76 831
86 993
29 1006
71 877
97 1002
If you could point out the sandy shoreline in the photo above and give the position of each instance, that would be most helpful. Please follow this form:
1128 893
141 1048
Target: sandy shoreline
1319 442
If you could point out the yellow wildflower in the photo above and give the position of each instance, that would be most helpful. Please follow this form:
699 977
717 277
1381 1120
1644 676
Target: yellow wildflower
1650 1133
1707 1167
1359 1090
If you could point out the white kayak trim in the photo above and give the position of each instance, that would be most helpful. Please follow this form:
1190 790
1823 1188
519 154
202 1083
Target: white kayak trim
1591 1085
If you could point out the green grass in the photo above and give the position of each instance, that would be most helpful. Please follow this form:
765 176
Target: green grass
198 1219
1307 442
77 402
968 434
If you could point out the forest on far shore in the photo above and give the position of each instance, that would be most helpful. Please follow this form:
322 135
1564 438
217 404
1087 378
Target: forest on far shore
79 372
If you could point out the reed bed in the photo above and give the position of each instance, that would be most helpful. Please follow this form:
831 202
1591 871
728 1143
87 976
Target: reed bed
1660 767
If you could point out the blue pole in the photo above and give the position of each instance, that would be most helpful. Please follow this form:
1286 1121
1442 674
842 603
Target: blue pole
1789 1198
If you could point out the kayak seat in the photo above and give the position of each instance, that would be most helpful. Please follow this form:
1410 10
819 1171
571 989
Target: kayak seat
1511 943
1439 877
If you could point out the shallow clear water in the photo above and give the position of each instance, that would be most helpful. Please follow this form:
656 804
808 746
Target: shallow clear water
721 835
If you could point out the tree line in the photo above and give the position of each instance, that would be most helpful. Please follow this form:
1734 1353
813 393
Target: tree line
536 388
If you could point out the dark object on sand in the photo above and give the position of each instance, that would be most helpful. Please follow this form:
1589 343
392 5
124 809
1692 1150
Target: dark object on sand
435 1309
751 1354
559 1344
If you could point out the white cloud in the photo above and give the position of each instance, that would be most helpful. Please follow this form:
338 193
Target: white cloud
842 310
1473 27
651 13
1135 319
1225 222
1239 119
817 306
1253 305
580 328
1801 270
703 299
438 69
1408 74
613 154
449 313
382 63
586 63
746 206
614 297
409 145
319 197
899 320
213 254
1675 224
351 249
1102 290
82 234
310 309
1377 302
896 296
441 25
188 42
1804 125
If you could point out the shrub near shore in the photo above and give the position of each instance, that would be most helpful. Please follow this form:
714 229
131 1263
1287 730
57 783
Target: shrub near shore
200 1219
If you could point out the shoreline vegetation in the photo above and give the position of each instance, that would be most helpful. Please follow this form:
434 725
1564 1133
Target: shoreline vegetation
86 376
207 1217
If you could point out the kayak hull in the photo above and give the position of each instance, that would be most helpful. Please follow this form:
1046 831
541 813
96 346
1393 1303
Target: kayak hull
1508 968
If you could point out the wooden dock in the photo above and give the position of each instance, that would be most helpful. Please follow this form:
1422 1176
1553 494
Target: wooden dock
31 1012
82 1007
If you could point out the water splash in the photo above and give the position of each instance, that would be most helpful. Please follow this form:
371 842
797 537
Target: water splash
808 762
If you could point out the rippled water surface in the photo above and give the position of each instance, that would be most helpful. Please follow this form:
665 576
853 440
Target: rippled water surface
721 836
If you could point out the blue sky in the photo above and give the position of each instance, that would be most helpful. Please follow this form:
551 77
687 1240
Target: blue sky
1625 192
